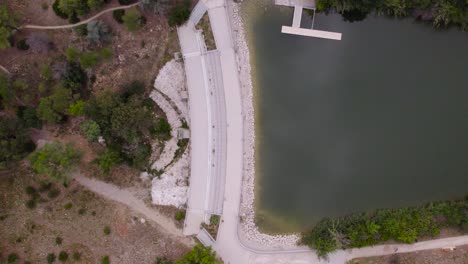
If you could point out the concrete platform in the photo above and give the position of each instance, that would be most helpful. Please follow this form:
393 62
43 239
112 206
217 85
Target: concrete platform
308 4
311 33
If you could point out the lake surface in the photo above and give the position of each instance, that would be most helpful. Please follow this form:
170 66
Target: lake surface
377 120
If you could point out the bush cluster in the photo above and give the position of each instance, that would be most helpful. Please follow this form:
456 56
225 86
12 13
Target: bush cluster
441 13
125 120
405 225
179 14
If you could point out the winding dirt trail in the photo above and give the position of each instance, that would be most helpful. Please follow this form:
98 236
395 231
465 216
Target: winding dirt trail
4 69
82 22
112 192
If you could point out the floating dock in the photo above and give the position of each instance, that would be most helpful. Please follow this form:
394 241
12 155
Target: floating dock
296 29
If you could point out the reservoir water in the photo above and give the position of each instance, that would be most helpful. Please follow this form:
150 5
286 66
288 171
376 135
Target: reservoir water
376 120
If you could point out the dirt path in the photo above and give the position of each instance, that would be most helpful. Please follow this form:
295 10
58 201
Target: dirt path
4 69
82 22
114 193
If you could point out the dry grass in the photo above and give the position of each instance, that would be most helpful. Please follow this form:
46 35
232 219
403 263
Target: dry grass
31 233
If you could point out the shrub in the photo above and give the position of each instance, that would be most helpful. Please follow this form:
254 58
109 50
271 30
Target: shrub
180 215
29 117
125 2
44 186
72 54
45 6
105 260
199 254
55 160
58 11
73 19
30 190
82 30
107 230
95 4
98 32
15 141
118 14
12 258
108 160
52 109
46 72
82 211
22 45
58 241
51 258
105 53
54 193
214 220
91 130
89 59
31 204
132 20
162 129
75 78
77 109
179 13
133 88
163 261
68 206
76 256
73 7
63 256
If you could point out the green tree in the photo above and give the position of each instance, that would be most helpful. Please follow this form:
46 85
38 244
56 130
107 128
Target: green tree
28 116
51 258
132 19
55 160
118 14
77 109
74 78
7 26
89 59
72 54
46 72
95 4
6 90
71 7
45 111
105 260
91 130
52 109
179 13
105 53
199 255
15 142
107 160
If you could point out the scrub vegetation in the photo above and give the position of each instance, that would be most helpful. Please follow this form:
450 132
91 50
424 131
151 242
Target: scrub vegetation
406 225
67 102
441 13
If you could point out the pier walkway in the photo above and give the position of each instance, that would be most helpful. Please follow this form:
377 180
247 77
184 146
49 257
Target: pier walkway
296 29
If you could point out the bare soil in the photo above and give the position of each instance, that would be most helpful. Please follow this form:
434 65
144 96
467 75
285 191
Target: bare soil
436 256
31 233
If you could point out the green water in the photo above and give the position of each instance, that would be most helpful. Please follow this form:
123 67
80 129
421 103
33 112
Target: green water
377 120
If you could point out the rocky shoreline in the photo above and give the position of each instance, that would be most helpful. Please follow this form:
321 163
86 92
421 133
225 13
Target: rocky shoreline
248 231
